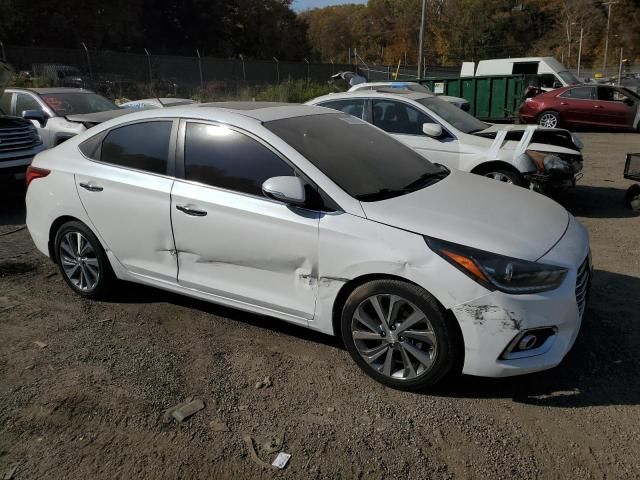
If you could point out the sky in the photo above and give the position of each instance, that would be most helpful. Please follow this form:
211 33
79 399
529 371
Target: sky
299 5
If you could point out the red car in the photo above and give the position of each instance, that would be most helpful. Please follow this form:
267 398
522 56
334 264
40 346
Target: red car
584 106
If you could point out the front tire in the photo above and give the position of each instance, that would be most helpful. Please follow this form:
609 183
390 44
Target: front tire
504 175
549 119
82 260
397 333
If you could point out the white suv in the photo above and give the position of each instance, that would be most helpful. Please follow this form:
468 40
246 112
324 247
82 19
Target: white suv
319 219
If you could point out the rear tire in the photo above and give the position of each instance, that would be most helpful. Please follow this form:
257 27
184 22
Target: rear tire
549 119
398 334
82 260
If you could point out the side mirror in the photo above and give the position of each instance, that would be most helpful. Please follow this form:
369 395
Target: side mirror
557 85
38 115
628 101
285 189
432 129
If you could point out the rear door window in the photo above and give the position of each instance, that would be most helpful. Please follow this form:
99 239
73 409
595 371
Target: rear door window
141 146
221 157
353 107
580 93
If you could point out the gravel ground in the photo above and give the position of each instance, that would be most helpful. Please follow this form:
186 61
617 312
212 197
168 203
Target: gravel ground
90 404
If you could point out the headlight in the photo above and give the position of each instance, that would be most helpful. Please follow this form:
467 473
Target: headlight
497 272
553 162
577 142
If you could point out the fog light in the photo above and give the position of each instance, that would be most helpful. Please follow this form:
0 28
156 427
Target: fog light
527 342
530 343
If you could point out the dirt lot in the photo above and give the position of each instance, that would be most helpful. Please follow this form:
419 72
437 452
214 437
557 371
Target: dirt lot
90 404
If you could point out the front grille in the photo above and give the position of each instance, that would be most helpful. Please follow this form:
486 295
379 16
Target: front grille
582 285
17 138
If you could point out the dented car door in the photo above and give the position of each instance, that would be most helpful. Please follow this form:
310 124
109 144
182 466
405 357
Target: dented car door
232 240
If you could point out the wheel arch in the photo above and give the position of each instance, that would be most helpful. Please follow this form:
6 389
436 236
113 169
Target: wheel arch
494 164
351 285
53 230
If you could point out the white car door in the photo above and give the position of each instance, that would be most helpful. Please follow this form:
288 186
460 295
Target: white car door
405 122
126 194
231 240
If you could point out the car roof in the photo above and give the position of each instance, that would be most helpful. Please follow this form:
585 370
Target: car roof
263 111
52 90
397 93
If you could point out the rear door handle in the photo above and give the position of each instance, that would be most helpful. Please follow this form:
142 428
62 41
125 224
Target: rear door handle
92 187
598 106
191 211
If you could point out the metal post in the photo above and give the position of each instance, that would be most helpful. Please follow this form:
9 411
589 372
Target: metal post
244 72
200 69
421 46
4 57
333 70
277 69
620 68
580 51
349 61
606 41
150 73
308 70
86 50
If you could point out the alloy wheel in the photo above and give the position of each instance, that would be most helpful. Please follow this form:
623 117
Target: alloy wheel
79 261
548 120
394 337
499 176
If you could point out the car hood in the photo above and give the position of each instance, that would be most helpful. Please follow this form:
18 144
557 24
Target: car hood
478 212
91 119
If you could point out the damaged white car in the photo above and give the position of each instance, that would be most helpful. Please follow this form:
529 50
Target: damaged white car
320 219
60 113
530 156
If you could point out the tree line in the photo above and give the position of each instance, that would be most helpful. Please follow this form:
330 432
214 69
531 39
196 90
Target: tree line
382 31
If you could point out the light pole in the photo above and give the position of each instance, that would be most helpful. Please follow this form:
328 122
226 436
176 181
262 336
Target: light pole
606 41
200 69
86 50
569 38
421 45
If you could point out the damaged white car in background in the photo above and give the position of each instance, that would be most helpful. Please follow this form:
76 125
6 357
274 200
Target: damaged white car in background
530 156
318 218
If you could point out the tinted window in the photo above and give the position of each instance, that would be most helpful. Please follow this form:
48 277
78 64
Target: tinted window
5 103
143 146
26 102
398 117
221 157
352 107
77 103
525 68
366 163
581 93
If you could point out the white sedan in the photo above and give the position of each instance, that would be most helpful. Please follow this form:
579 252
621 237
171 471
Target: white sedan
543 159
317 218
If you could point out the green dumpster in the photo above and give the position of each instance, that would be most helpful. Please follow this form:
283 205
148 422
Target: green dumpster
494 99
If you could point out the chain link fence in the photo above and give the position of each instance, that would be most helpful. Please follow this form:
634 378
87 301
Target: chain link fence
138 75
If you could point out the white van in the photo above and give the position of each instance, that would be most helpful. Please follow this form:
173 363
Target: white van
552 73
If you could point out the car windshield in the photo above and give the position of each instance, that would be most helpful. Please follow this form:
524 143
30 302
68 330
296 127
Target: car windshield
365 162
455 116
74 103
568 77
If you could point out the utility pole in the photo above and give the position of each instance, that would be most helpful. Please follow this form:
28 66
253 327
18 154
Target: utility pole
606 41
421 46
580 51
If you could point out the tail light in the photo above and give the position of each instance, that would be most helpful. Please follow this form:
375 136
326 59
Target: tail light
34 172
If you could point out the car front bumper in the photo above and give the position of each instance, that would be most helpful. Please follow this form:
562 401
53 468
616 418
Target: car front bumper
491 323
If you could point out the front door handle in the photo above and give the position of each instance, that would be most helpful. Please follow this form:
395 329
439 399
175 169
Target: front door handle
598 106
564 103
92 187
191 211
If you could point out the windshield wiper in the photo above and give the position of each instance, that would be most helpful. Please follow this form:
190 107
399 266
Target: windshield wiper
426 179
